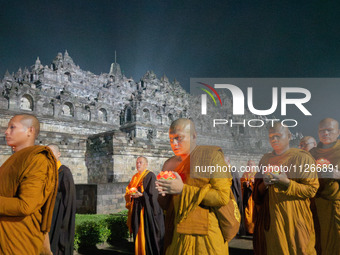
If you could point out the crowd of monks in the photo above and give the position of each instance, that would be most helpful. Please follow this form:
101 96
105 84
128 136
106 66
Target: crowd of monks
290 199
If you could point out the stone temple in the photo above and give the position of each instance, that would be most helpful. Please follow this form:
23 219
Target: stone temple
103 122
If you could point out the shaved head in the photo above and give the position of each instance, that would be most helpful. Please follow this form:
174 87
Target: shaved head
141 164
328 131
331 121
277 126
146 160
55 150
29 121
279 137
251 163
307 143
22 130
182 134
183 123
54 147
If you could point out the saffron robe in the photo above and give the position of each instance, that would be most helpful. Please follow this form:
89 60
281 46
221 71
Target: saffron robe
145 217
327 202
28 187
248 201
191 224
64 214
285 223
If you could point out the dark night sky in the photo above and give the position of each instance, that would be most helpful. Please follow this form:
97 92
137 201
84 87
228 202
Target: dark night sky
182 39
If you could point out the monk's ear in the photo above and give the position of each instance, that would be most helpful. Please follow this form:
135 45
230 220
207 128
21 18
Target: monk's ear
290 136
31 132
194 135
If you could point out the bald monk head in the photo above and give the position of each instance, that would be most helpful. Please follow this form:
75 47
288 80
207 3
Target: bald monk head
251 163
279 137
182 136
21 131
55 150
307 143
141 164
227 159
328 132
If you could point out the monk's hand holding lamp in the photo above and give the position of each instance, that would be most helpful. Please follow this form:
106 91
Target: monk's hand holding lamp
170 186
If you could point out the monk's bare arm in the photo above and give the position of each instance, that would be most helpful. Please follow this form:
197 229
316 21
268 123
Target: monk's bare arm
30 194
171 163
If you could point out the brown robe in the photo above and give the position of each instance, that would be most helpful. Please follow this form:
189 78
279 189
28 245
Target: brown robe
28 187
285 224
327 202
64 214
145 216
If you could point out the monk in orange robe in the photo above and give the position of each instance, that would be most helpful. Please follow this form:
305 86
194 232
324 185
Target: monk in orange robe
28 187
285 223
191 224
247 185
145 216
327 200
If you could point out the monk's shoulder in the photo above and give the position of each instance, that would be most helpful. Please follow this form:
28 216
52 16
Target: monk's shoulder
150 173
32 153
171 163
66 172
208 149
299 155
337 146
207 152
265 157
314 151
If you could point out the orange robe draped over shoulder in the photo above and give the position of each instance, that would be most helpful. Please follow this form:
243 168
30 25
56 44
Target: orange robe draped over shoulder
28 187
196 229
285 223
327 202
136 182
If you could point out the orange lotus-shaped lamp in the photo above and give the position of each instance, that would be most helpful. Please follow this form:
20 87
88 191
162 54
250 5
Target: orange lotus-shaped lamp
167 175
133 191
273 169
322 161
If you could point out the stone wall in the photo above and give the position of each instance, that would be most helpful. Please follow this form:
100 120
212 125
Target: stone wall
111 156
86 198
110 197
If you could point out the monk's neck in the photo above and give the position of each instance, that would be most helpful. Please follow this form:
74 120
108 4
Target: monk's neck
141 172
22 146
327 146
184 156
280 152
